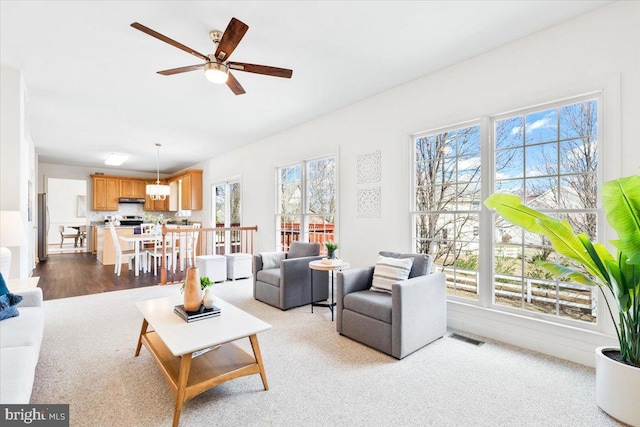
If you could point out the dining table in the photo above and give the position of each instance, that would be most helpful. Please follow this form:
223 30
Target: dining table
81 236
138 241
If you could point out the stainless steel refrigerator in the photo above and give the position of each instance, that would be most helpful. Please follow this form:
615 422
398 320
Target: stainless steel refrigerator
43 226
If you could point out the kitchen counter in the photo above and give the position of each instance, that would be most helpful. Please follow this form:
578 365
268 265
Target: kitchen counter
106 250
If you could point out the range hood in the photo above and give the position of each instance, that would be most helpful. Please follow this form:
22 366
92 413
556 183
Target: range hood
131 200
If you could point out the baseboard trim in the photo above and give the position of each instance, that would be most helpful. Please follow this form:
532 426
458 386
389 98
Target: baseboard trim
566 342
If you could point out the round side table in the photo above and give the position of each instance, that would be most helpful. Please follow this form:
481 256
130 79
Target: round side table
331 268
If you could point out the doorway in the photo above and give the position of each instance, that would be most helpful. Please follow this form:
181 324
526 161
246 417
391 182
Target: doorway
67 205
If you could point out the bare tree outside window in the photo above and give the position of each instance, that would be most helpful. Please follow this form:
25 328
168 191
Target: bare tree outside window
447 204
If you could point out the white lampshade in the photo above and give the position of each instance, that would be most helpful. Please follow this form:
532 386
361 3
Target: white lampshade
11 229
11 234
158 190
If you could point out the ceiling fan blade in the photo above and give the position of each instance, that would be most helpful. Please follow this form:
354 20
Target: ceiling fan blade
180 70
230 39
261 69
166 39
234 85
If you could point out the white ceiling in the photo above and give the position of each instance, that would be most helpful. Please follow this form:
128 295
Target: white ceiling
93 88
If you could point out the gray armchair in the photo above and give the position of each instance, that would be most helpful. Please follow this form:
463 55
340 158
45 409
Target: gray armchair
398 323
289 284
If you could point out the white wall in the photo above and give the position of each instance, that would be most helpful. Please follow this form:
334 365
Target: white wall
16 164
596 51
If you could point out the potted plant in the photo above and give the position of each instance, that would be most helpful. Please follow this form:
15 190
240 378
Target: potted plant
331 249
617 381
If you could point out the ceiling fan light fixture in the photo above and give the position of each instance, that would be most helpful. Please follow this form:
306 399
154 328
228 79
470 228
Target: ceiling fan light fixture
216 72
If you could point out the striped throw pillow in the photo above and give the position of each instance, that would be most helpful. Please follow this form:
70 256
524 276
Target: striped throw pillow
389 271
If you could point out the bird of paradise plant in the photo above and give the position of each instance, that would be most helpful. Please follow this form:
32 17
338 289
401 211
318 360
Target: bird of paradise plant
620 273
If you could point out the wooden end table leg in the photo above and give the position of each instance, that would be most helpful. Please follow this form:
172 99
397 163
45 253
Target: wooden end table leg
143 330
258 356
185 366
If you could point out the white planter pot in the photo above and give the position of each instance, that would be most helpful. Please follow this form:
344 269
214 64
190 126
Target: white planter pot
617 388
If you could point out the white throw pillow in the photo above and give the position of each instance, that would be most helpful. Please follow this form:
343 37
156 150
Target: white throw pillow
271 259
389 271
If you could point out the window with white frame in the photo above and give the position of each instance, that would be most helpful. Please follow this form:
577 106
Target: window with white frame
548 156
446 204
306 209
227 197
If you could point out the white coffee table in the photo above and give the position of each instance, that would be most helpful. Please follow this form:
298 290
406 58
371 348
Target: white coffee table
194 357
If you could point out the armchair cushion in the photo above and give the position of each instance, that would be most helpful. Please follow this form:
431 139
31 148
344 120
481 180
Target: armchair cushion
272 259
302 249
421 263
270 276
389 270
369 303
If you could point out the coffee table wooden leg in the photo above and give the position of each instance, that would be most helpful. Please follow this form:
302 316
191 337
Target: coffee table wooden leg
258 356
185 366
143 330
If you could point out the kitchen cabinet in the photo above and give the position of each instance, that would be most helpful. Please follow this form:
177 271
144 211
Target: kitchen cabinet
132 188
186 191
106 191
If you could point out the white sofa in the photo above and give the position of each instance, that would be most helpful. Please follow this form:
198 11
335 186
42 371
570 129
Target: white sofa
20 339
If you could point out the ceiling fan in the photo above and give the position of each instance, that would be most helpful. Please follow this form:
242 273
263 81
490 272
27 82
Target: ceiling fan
217 66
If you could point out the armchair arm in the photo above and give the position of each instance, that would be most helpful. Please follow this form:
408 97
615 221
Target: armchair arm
257 266
31 297
419 313
357 279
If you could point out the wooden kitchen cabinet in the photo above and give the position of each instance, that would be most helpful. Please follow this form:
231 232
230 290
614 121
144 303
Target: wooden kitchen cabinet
106 192
132 188
189 191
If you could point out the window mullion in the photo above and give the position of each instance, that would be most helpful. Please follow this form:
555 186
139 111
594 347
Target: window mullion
487 161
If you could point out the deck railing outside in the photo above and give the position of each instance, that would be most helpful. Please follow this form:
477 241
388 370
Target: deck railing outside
183 244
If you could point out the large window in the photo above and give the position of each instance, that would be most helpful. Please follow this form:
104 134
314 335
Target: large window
306 202
228 204
549 158
447 204
546 155
227 197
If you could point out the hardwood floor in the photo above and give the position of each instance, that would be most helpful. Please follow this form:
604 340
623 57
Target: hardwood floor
70 275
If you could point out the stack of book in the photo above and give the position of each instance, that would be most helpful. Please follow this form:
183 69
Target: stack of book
331 261
192 316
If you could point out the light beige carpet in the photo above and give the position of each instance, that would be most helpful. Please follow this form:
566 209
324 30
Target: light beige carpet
316 376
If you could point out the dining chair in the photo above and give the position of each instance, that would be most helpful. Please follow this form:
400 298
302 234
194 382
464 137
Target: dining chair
64 235
82 235
154 255
121 254
185 248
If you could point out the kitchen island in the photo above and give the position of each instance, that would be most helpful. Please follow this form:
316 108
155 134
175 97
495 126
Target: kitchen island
106 250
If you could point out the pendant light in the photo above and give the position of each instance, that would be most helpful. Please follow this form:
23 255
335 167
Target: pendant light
158 191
